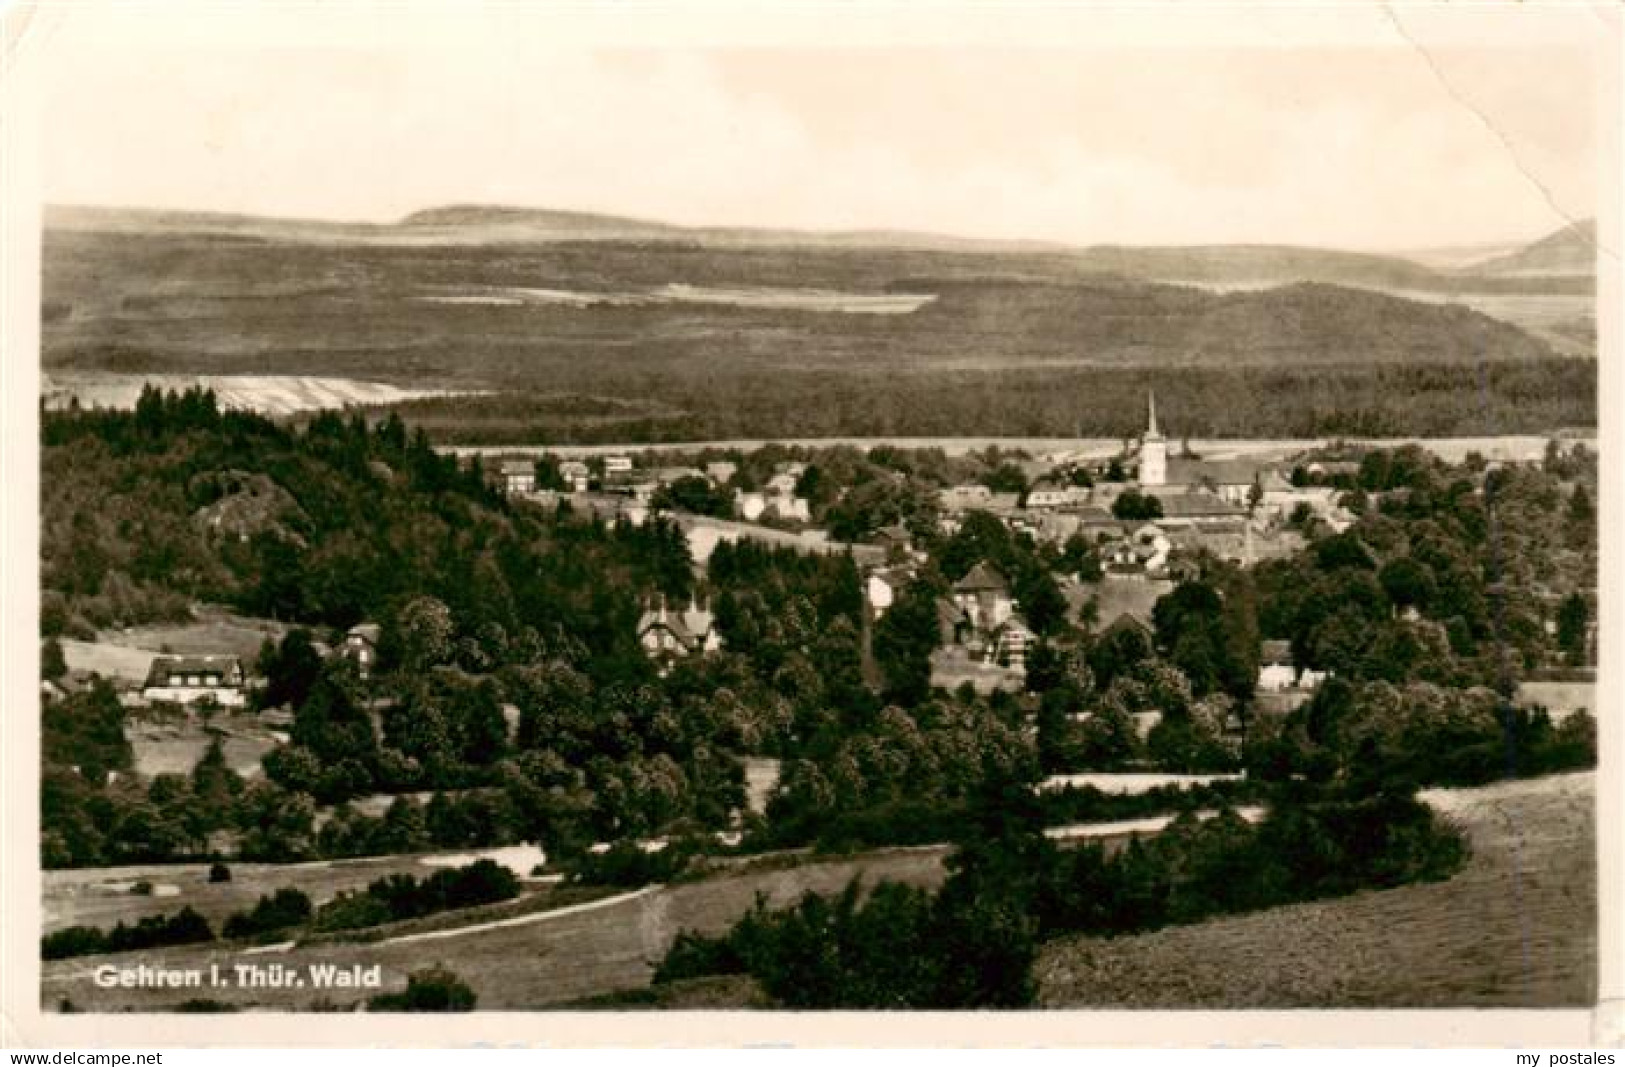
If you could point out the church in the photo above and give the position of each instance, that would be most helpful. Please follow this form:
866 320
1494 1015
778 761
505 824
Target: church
1169 477
1189 489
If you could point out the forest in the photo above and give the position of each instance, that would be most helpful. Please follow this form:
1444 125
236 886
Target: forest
1062 399
511 690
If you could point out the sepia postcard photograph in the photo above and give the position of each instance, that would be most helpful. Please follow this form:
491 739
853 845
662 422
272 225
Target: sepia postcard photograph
701 523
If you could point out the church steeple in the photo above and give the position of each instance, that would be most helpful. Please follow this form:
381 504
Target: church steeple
1153 449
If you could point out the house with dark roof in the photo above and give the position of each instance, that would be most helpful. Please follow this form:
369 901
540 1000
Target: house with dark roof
983 595
1197 505
667 635
1119 597
216 680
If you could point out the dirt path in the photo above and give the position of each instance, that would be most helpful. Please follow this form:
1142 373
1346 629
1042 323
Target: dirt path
552 957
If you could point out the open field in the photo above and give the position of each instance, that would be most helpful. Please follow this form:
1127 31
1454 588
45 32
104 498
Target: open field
126 655
1516 928
1560 699
583 953
268 393
213 632
173 744
101 897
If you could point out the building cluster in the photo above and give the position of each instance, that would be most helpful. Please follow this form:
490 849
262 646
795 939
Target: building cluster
1232 509
1178 507
631 489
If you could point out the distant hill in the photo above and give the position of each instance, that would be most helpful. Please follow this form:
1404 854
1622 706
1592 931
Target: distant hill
1570 251
1545 268
465 224
1254 266
762 340
212 225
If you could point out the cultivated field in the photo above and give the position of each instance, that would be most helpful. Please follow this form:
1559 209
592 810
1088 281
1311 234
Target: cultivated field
1516 928
272 394
125 655
588 950
101 896
173 743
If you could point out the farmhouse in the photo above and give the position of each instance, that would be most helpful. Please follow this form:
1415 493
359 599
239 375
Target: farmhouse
196 680
518 476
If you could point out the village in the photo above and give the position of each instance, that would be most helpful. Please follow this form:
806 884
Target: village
1144 515
1123 530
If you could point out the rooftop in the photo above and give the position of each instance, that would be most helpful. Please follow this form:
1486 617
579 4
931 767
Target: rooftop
984 577
229 669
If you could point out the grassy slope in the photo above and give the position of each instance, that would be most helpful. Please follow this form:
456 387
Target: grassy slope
571 958
1516 928
93 896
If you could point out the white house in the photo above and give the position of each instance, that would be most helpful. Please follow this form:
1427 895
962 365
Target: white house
1278 672
196 680
519 476
575 475
1011 643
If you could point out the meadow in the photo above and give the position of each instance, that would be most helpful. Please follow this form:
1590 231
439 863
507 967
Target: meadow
1516 928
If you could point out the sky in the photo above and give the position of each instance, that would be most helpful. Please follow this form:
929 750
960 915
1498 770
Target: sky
1382 145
